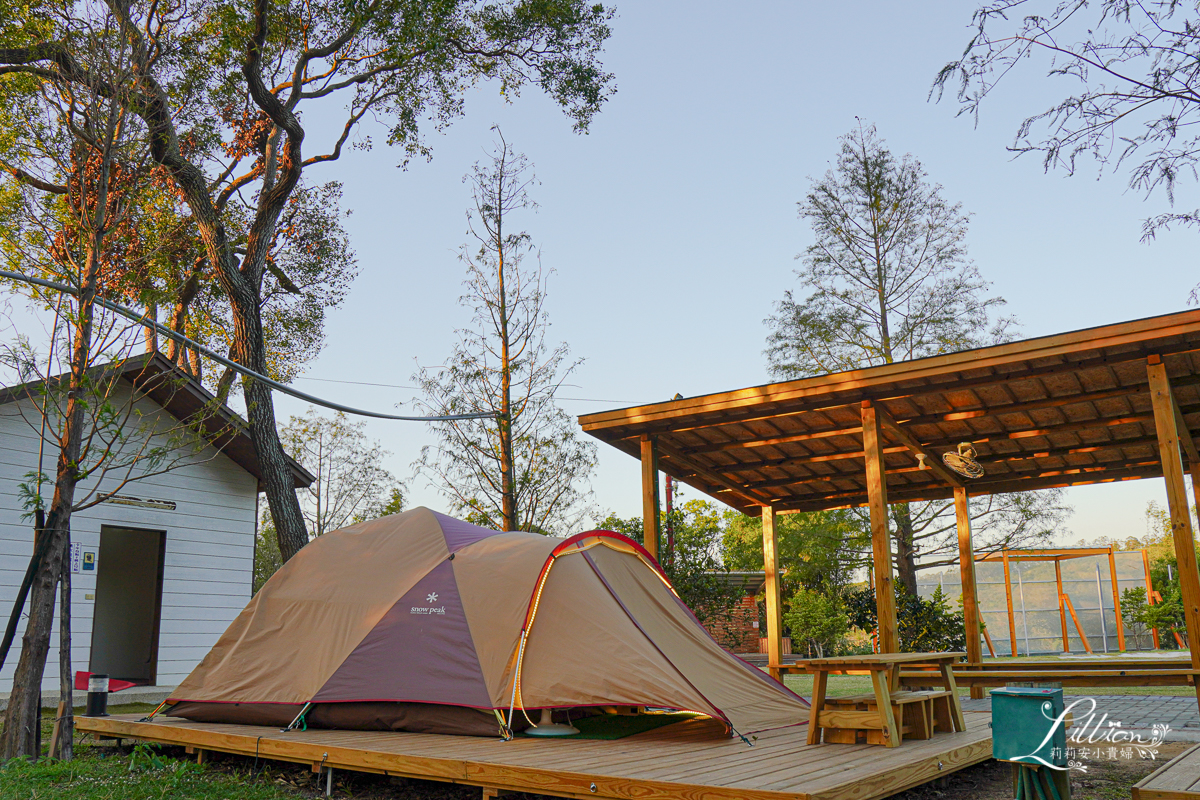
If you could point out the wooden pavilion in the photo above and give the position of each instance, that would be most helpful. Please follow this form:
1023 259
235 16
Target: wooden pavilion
1105 404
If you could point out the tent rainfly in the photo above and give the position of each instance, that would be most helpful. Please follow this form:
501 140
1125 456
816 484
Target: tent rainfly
422 622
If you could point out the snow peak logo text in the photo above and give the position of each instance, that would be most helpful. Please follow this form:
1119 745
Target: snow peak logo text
430 609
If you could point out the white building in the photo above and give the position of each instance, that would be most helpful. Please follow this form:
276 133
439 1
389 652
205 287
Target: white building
160 569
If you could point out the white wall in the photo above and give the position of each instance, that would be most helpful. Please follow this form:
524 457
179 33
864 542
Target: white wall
208 561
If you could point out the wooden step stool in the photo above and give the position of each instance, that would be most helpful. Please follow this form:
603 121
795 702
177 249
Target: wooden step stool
918 715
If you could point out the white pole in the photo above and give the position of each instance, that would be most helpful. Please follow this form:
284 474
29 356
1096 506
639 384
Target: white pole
1100 597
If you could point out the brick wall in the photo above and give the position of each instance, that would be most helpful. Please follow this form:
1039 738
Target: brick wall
738 633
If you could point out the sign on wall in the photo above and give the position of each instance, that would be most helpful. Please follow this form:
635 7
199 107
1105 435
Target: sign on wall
82 560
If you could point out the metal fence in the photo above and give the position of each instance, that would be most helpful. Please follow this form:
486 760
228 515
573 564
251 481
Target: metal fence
1037 620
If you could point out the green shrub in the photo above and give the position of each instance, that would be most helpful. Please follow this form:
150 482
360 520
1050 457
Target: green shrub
925 626
817 621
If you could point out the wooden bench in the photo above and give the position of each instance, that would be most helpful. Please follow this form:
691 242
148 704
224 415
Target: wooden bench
854 718
1105 676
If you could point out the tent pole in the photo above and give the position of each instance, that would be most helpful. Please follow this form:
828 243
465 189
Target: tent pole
881 540
650 516
771 588
966 564
1177 501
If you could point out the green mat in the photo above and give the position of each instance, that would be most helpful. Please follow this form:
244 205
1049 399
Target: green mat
618 726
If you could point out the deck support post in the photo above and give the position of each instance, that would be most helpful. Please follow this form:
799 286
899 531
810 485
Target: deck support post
1012 622
966 563
771 588
881 538
1062 608
650 516
1165 423
1112 571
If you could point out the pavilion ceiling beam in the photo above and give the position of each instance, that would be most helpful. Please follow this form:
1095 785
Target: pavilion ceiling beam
727 409
732 469
1014 458
961 415
1044 553
706 475
932 461
822 502
1027 433
996 458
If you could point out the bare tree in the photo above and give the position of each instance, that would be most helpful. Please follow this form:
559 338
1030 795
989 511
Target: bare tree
351 483
888 279
521 468
1133 96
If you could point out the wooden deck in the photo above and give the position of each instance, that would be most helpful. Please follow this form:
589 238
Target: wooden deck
1178 779
685 760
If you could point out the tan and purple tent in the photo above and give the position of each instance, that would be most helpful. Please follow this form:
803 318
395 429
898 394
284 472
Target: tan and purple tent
422 622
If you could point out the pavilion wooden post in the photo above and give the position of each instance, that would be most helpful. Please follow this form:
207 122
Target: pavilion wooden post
1149 591
771 588
650 517
966 563
881 539
1165 423
1112 571
1062 609
1012 622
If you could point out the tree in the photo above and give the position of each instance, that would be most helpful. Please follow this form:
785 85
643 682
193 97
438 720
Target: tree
1137 92
65 201
888 279
818 620
925 626
392 60
351 483
699 528
819 551
525 466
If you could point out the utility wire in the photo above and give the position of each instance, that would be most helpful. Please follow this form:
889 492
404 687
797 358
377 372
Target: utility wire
400 386
142 319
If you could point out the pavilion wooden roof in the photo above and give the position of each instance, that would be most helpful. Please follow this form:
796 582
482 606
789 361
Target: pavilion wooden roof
1061 410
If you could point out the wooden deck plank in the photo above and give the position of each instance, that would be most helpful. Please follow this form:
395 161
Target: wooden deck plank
1175 780
882 759
683 760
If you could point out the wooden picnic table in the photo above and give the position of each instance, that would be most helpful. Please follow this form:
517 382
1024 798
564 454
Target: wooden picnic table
891 711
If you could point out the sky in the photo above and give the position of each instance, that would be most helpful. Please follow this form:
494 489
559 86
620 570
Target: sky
672 231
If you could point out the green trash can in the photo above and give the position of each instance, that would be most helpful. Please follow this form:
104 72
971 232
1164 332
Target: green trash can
1026 731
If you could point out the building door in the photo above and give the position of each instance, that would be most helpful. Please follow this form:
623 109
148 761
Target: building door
125 620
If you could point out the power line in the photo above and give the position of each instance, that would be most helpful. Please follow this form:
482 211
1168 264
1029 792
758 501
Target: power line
142 319
400 386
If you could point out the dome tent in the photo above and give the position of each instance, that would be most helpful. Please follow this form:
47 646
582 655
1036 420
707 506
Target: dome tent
418 621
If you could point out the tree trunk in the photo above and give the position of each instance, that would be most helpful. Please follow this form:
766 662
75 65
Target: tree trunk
23 720
277 481
65 750
508 489
906 553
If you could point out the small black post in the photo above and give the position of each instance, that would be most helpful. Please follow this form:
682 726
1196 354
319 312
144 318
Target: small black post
97 698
